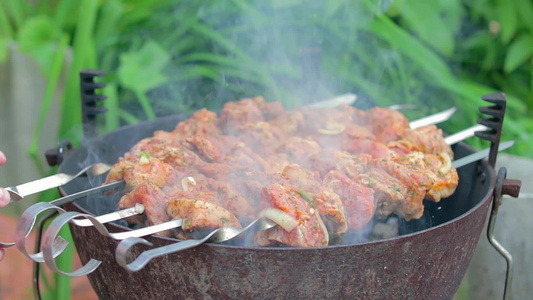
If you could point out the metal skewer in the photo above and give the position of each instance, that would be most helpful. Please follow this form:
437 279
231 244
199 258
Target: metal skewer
218 235
97 169
90 220
20 191
439 117
433 119
334 102
464 134
28 218
52 234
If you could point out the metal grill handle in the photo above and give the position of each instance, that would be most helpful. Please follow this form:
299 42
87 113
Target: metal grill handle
89 100
503 187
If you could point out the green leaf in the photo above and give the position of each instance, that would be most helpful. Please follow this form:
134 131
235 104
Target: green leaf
112 114
508 19
427 22
57 60
142 70
5 25
39 38
525 10
4 49
70 125
285 3
519 52
332 6
107 30
36 32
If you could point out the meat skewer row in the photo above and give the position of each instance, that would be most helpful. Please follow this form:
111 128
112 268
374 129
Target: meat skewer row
329 170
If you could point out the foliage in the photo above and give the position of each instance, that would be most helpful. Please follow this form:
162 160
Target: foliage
164 57
299 52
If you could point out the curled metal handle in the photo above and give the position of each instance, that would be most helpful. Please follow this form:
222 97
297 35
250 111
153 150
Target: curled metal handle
145 257
25 226
51 234
218 235
27 223
28 218
56 225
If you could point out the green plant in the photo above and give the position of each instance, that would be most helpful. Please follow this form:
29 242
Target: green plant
222 51
165 57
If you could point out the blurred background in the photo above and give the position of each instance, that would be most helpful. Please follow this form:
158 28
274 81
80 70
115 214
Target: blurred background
164 57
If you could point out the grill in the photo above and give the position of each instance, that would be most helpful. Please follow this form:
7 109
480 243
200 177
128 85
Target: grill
428 259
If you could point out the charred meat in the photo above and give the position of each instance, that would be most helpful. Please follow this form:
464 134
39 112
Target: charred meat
330 170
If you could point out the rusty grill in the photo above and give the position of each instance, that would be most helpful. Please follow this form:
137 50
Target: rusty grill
427 260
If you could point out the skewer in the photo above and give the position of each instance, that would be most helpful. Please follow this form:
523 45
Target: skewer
29 216
439 117
348 98
133 237
218 235
433 119
221 234
464 134
334 102
402 106
29 188
52 234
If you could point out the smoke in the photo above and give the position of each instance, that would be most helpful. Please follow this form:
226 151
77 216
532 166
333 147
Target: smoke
296 53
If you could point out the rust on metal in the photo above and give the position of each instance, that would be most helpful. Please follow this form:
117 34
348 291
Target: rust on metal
511 187
428 264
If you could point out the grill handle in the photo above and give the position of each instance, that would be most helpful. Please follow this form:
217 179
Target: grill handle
509 187
89 100
55 156
496 114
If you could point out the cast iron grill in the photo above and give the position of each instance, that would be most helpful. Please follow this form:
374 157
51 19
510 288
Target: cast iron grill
404 266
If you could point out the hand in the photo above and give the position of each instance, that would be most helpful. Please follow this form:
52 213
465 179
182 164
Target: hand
4 199
4 195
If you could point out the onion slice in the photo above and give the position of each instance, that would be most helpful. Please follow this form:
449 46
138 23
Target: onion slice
332 128
283 219
185 181
446 164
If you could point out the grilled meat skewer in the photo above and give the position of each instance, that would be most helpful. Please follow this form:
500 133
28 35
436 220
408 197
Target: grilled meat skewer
330 169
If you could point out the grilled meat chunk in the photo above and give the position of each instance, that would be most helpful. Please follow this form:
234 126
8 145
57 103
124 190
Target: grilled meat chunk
236 115
137 170
358 200
386 124
201 122
310 231
155 204
390 192
200 214
328 203
429 139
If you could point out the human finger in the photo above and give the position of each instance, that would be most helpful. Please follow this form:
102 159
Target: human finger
4 197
